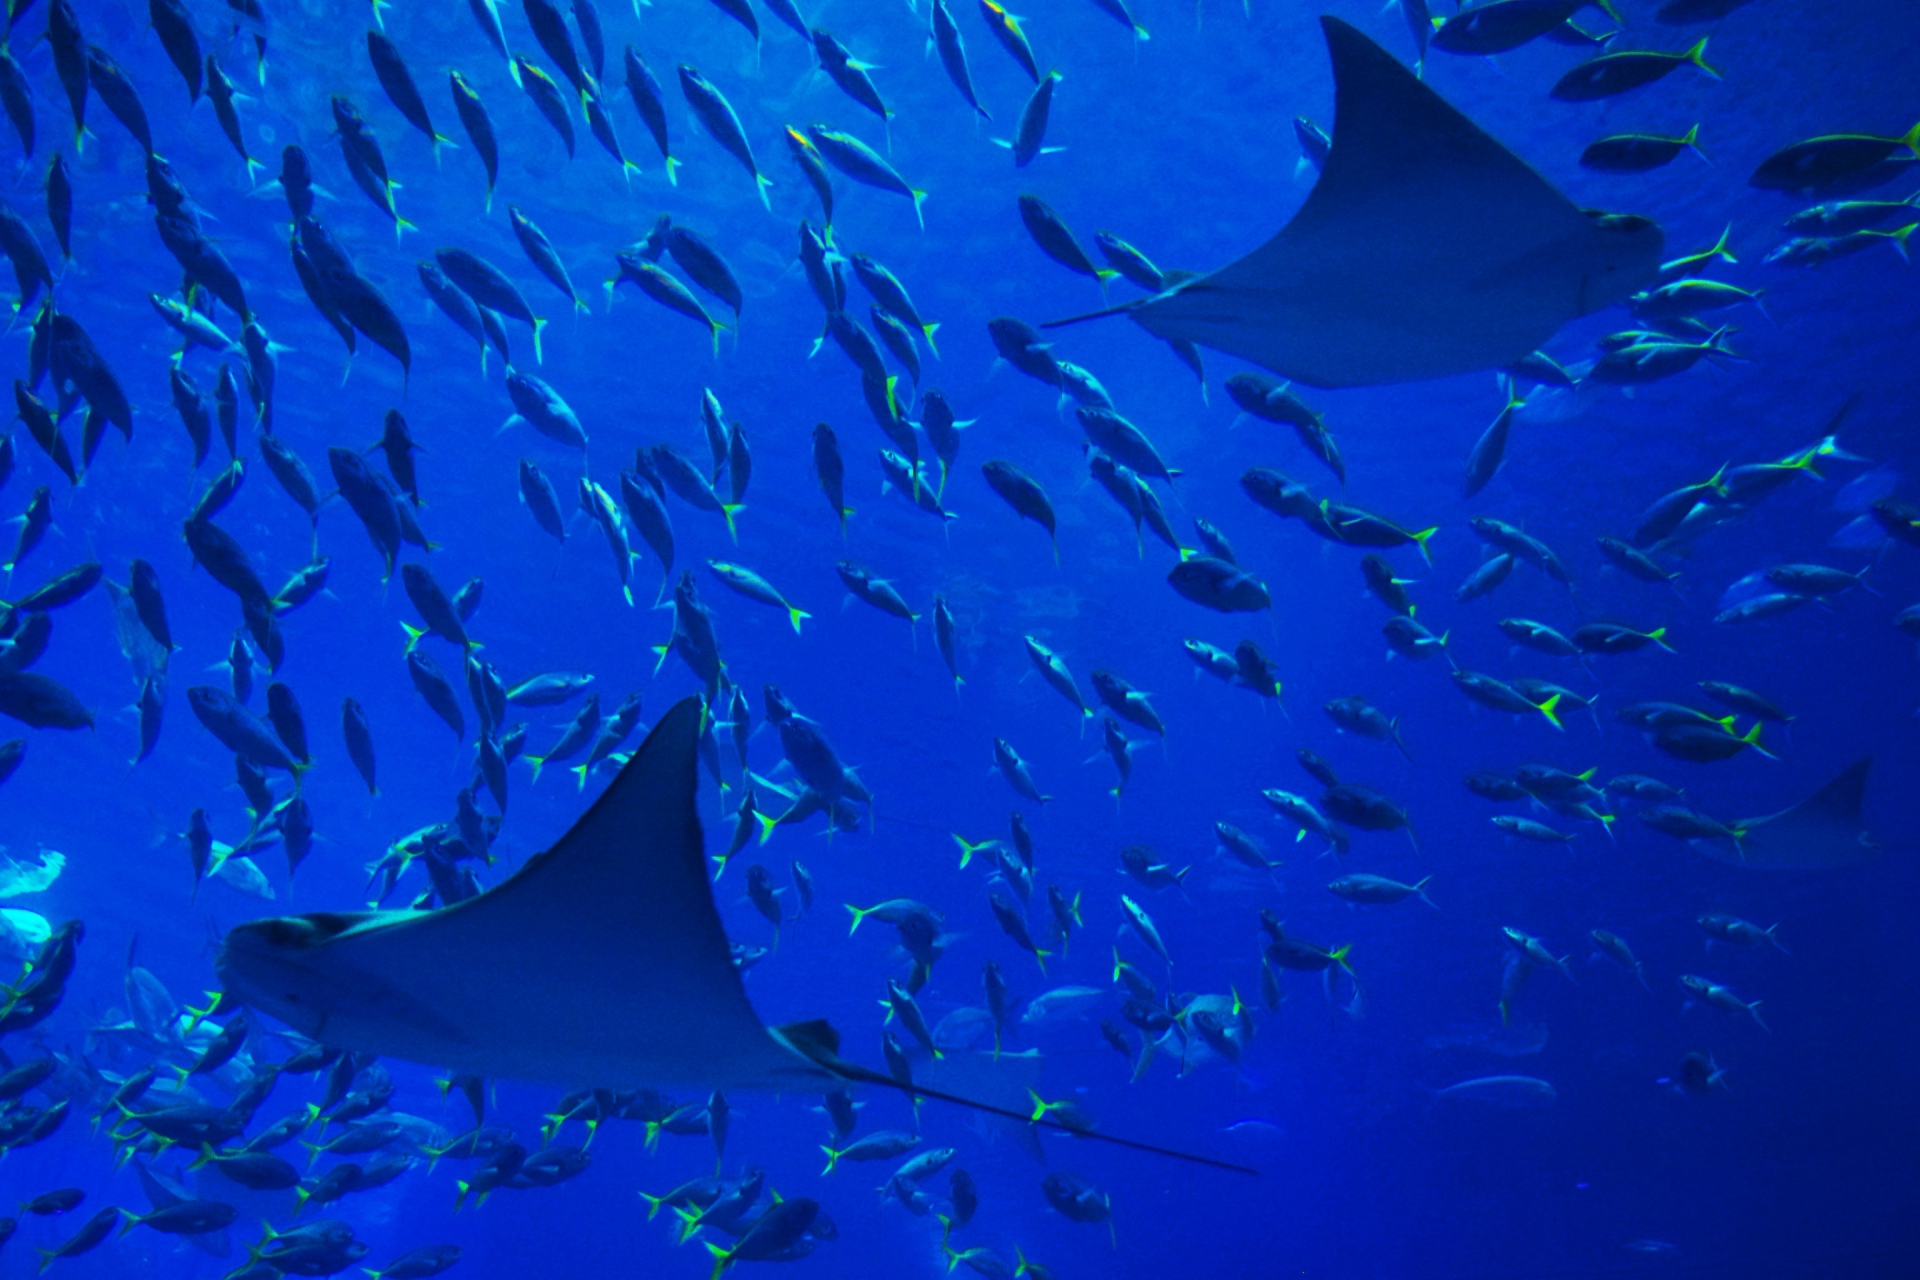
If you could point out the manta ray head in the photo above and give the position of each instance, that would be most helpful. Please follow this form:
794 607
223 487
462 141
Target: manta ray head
284 966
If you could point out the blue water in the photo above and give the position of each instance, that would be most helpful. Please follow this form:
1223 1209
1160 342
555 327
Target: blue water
1803 1166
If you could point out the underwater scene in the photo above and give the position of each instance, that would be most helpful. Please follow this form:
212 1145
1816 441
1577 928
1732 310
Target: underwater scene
1086 638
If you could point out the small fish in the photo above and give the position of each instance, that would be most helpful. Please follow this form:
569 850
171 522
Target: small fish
848 72
545 257
1030 131
754 587
1616 73
644 89
1742 933
391 70
711 108
1638 152
860 162
1379 890
1050 232
878 592
1058 678
547 100
1024 494
1830 160
953 55
1007 31
1709 992
1014 769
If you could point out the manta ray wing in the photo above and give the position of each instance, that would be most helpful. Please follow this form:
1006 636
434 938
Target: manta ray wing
1824 831
601 961
1426 249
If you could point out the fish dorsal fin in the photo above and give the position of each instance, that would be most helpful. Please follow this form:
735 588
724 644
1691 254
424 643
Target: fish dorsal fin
1823 831
1426 248
602 961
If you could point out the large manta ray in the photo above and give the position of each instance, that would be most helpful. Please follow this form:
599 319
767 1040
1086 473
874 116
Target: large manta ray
1426 249
601 961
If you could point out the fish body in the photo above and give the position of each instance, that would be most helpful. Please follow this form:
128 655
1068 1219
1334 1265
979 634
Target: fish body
1014 769
1714 995
953 55
1616 73
711 108
1218 585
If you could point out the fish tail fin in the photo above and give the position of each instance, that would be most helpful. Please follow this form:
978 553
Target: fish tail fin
539 323
1753 1010
1547 709
1658 636
1899 239
764 184
1420 540
1698 57
833 1158
927 331
1725 254
1691 141
919 198
729 510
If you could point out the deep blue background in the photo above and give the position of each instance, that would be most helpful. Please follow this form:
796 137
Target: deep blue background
1183 146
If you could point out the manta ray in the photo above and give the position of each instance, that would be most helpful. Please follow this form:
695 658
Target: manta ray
602 962
1426 249
1824 831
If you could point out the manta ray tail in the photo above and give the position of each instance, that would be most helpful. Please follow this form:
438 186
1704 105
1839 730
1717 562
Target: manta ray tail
819 1043
1120 310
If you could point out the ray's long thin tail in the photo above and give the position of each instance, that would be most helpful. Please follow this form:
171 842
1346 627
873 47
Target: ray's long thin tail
1101 314
814 1041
